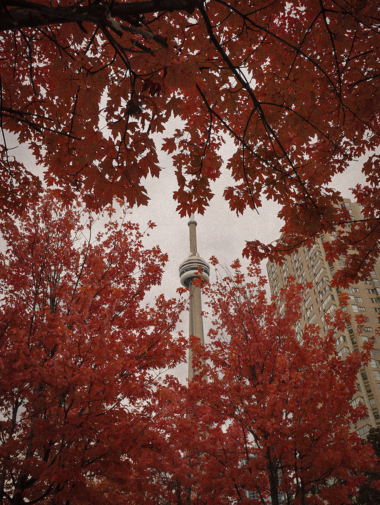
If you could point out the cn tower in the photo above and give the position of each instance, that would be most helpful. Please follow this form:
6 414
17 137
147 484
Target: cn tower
188 270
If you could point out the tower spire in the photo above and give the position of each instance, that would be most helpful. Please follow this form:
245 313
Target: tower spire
193 235
188 270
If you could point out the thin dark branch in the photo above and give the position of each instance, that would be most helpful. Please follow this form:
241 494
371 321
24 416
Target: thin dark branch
243 81
38 127
33 15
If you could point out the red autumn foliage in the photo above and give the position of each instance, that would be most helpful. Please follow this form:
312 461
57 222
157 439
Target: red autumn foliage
278 410
80 352
85 419
295 85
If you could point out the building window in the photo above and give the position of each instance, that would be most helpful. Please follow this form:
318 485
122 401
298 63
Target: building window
356 402
325 290
376 375
315 256
321 282
375 352
364 375
367 329
251 495
356 299
374 300
309 311
340 340
319 274
376 309
375 364
343 352
355 308
312 249
329 299
353 290
307 302
358 387
363 432
331 309
313 319
316 266
371 291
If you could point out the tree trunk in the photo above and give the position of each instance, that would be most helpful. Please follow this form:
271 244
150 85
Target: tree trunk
273 478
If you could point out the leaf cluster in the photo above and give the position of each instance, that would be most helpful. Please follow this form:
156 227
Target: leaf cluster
294 85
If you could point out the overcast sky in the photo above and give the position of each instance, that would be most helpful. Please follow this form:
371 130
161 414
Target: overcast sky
220 232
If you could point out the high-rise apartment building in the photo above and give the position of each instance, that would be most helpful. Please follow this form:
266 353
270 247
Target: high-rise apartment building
310 265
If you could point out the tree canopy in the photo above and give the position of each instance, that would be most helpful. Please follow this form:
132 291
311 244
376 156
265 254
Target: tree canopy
369 494
294 84
285 401
86 418
80 356
268 416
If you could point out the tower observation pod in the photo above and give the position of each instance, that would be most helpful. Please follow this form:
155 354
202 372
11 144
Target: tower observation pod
188 270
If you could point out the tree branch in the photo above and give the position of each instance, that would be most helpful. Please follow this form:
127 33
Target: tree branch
33 15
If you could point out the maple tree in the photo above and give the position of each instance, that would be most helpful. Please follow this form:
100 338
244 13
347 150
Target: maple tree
369 494
175 472
285 404
295 85
81 354
84 417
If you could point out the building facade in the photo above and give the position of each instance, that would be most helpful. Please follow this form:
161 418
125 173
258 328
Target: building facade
311 266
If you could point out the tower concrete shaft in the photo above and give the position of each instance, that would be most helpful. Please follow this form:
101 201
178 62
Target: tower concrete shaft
194 266
195 323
